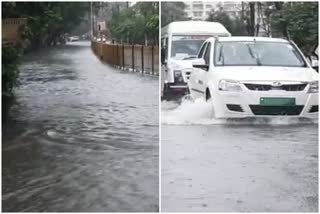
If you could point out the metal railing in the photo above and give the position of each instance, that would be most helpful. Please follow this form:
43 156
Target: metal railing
135 58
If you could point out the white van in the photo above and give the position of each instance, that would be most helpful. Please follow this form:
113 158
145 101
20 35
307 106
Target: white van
180 42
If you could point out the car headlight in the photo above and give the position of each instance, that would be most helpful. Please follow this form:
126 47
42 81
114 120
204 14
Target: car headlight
177 76
313 87
229 85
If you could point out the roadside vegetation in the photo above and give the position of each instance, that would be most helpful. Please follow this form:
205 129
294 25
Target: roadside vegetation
138 24
300 22
10 72
47 22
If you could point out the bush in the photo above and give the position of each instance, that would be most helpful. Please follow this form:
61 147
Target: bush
10 71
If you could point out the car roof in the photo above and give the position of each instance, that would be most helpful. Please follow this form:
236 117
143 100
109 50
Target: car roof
248 39
191 27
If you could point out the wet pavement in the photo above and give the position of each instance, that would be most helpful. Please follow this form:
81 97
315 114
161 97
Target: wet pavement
236 166
80 136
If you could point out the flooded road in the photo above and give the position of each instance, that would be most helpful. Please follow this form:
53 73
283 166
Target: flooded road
81 136
236 166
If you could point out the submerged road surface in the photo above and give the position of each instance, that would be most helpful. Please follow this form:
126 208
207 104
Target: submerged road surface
81 136
236 166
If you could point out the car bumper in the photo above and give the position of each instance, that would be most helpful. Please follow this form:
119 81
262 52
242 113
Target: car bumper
247 104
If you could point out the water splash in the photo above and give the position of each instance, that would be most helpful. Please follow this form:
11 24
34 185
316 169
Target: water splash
198 112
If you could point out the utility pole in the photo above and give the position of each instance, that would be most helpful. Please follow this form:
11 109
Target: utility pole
252 18
91 22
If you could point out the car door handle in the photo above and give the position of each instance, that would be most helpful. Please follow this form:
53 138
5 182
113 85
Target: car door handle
200 82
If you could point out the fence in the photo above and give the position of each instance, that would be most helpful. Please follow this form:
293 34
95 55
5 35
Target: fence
136 58
11 29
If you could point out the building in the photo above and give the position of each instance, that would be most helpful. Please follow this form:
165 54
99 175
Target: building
198 10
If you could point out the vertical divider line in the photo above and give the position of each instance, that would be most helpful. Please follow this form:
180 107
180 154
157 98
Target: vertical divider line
159 97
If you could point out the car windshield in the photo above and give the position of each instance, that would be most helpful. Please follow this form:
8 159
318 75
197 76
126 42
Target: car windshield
186 46
257 54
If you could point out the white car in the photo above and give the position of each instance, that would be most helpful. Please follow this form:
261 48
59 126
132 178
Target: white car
74 38
254 77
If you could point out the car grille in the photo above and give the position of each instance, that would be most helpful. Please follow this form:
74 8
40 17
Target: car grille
267 87
276 110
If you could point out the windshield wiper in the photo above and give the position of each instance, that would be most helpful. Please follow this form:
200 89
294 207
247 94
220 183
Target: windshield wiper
253 55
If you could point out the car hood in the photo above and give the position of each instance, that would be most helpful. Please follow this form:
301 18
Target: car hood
265 73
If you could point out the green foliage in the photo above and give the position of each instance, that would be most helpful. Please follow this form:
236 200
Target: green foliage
235 26
172 11
10 72
300 21
47 21
137 24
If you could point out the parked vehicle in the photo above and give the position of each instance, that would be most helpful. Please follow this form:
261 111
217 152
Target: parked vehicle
180 42
314 59
74 38
254 77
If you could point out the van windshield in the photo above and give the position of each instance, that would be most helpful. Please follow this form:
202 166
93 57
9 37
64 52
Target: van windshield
241 53
185 46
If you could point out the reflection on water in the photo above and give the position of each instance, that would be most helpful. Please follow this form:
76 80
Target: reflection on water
81 136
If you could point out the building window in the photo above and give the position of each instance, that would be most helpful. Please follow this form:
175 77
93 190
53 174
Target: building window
198 7
197 14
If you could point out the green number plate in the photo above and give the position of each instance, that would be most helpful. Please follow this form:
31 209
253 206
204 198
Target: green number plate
277 101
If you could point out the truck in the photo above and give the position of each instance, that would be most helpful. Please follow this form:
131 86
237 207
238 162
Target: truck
180 43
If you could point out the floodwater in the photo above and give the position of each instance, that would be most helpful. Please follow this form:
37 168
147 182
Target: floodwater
80 136
236 165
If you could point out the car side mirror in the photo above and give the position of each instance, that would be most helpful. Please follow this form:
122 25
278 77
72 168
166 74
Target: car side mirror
314 63
200 63
163 56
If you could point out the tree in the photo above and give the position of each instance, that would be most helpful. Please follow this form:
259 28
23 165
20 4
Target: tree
137 25
47 22
172 11
235 26
299 22
150 12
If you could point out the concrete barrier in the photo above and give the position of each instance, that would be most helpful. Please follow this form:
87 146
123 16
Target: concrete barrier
136 58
